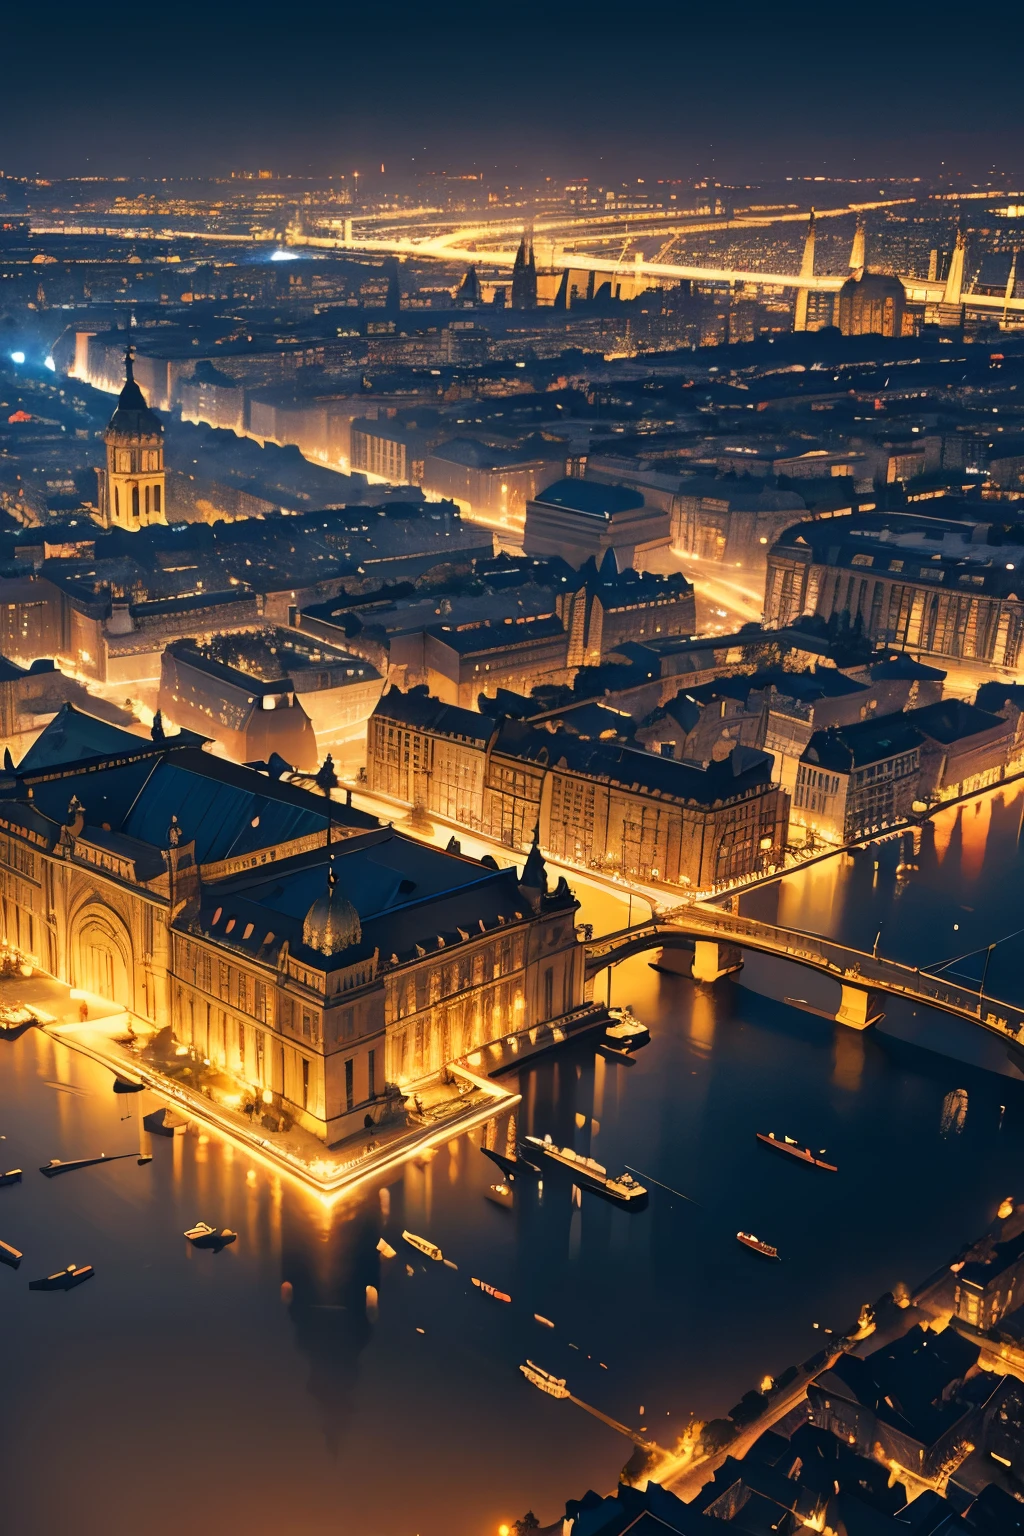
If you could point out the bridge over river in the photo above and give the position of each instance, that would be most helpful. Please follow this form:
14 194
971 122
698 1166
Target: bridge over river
718 938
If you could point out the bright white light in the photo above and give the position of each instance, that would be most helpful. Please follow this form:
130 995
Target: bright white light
49 363
17 357
283 256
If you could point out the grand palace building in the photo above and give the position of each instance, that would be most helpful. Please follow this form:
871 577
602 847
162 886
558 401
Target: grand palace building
288 938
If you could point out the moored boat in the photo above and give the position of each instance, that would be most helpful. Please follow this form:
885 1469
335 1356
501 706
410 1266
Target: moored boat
554 1386
64 1279
385 1249
12 1176
424 1245
202 1235
626 1029
57 1165
10 1256
490 1290
591 1174
126 1085
756 1245
793 1149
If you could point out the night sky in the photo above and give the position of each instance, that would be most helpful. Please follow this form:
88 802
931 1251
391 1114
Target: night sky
738 91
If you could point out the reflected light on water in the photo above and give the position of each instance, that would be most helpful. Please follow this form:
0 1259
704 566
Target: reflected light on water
848 1059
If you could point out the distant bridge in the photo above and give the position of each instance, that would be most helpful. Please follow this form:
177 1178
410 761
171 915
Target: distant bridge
718 937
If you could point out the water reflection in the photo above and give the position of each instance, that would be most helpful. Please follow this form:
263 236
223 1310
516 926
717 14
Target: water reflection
954 1112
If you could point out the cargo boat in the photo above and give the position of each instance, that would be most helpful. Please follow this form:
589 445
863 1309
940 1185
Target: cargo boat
554 1386
756 1245
64 1279
431 1250
591 1174
802 1154
490 1290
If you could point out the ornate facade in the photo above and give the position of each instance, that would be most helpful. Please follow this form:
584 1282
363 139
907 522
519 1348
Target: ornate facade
294 943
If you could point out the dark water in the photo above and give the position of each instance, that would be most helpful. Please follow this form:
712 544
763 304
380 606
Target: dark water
178 1391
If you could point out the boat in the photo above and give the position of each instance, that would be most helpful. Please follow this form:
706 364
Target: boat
56 1165
12 1176
554 1386
793 1148
202 1235
64 1279
616 1053
501 1194
9 1255
385 1249
125 1085
545 1321
490 1290
626 1029
506 1164
431 1250
750 1241
165 1122
589 1173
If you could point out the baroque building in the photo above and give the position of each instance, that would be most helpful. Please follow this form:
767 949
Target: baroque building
132 487
925 584
293 942
594 802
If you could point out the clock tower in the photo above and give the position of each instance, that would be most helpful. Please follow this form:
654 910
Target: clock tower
132 490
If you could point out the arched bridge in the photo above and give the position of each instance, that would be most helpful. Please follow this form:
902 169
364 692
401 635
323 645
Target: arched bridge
718 937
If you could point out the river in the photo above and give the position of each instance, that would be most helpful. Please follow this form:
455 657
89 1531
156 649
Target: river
183 1390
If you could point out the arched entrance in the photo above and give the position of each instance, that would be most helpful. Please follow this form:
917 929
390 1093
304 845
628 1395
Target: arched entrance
102 957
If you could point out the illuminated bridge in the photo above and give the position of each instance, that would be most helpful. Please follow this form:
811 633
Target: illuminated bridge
718 938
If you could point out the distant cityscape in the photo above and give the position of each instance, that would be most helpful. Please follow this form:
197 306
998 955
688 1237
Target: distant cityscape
396 573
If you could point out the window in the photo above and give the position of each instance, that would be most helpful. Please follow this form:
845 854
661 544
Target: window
156 499
350 1095
549 992
135 501
372 1067
305 1083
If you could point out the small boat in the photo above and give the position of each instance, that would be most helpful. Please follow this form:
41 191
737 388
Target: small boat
9 1255
750 1241
64 1279
501 1194
125 1085
506 1164
490 1290
202 1235
589 1173
554 1386
431 1250
385 1249
544 1321
12 1176
616 1053
625 1028
165 1122
794 1149
56 1165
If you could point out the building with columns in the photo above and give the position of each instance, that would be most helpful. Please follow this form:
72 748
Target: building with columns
132 488
930 585
320 959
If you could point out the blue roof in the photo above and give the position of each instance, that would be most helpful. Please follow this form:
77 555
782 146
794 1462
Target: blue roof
219 815
72 736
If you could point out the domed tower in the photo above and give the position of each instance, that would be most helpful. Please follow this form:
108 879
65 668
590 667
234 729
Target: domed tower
132 489
332 922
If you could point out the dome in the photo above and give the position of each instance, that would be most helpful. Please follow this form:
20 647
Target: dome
332 922
133 417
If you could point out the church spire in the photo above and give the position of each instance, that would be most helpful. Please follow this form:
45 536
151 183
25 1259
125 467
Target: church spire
533 882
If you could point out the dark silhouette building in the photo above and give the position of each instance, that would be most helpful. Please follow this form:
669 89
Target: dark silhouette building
524 275
872 304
